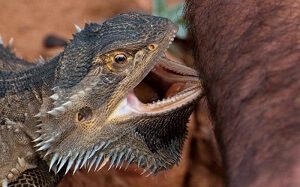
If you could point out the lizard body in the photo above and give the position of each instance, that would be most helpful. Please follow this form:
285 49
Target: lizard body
80 108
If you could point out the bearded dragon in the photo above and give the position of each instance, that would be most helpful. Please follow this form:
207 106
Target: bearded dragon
80 108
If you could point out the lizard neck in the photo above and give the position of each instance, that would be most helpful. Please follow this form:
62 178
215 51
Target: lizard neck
12 83
21 92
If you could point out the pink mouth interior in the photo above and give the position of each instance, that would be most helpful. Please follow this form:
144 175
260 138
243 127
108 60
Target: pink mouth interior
162 83
166 86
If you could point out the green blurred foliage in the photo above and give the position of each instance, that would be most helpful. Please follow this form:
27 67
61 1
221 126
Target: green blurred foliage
174 13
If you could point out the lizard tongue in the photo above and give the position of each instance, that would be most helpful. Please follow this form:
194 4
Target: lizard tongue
175 88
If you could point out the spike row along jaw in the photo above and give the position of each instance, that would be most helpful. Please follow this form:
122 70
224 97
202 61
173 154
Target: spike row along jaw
96 160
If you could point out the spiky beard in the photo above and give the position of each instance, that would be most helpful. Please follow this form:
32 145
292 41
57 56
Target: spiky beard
102 154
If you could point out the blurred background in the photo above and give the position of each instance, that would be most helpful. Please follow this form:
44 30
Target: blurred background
41 28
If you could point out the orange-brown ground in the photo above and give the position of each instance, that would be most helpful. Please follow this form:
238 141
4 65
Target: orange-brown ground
29 21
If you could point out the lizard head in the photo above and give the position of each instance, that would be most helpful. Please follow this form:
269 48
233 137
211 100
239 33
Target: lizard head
94 116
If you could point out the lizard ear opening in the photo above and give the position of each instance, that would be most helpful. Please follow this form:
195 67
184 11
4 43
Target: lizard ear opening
84 114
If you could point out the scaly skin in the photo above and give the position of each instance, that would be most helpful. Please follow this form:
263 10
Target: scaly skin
79 109
23 173
9 61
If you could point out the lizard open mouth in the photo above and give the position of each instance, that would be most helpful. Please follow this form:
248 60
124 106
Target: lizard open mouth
169 85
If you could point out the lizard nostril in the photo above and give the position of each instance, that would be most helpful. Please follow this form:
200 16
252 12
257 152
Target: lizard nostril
84 114
152 47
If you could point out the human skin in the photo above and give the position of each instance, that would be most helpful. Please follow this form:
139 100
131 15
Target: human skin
248 54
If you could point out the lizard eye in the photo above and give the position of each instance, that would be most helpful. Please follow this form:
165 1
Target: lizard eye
120 59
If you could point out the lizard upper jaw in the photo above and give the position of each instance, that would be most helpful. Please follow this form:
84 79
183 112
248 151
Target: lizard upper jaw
184 80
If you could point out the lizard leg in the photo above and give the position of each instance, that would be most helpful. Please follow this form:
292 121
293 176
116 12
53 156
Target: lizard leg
17 154
15 172
39 176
